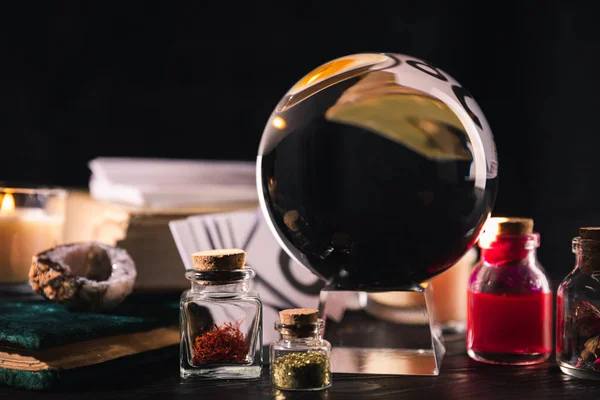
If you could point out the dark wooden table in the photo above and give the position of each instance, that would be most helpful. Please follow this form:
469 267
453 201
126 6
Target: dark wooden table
460 378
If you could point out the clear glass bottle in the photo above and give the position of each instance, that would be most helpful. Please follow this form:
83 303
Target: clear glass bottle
578 310
220 320
509 318
301 359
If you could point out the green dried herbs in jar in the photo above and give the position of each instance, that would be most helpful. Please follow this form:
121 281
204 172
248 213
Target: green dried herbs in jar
302 370
300 360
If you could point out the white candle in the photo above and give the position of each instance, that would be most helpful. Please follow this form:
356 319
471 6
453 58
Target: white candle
23 233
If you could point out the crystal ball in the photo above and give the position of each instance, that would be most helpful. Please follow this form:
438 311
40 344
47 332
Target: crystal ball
377 172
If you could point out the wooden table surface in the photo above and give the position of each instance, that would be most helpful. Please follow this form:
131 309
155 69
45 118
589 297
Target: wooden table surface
460 378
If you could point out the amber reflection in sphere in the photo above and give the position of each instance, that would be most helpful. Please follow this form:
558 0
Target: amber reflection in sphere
377 172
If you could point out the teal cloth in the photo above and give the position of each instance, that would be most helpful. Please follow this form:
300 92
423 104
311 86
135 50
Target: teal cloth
38 325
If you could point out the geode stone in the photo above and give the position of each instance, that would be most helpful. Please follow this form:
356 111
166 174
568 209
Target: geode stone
87 276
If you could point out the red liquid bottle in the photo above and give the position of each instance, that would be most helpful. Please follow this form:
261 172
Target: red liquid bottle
509 319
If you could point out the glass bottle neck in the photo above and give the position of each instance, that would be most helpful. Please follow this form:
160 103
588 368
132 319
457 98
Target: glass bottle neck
505 249
213 287
300 333
236 281
300 340
587 254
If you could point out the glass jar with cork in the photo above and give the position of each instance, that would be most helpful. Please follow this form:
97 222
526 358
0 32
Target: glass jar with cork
300 360
578 310
220 318
509 317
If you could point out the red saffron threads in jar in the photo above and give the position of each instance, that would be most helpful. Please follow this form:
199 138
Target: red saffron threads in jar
224 343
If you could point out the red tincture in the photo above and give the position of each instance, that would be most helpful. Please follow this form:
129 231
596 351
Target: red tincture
510 324
509 319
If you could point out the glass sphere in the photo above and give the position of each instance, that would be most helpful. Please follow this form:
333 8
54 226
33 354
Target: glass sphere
377 172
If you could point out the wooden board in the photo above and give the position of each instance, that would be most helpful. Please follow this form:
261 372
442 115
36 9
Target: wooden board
88 352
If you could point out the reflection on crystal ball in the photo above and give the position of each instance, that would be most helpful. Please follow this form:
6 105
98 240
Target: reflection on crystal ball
377 172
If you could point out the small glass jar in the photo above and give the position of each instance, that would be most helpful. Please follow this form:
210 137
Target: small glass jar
220 322
509 318
578 310
301 359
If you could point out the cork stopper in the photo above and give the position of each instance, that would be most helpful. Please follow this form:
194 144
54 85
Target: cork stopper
304 320
509 226
298 316
506 226
219 260
590 233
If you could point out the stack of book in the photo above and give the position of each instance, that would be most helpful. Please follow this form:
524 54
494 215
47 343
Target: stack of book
45 346
130 202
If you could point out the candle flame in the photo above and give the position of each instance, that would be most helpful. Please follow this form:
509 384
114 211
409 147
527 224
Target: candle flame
8 204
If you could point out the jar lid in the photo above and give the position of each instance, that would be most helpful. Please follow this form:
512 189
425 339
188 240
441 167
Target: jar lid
219 260
498 226
298 316
590 233
299 322
508 226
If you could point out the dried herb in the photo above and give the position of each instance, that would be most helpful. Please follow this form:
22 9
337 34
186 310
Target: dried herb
586 319
586 329
224 343
591 346
301 370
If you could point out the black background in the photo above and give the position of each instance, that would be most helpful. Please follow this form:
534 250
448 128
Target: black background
199 80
